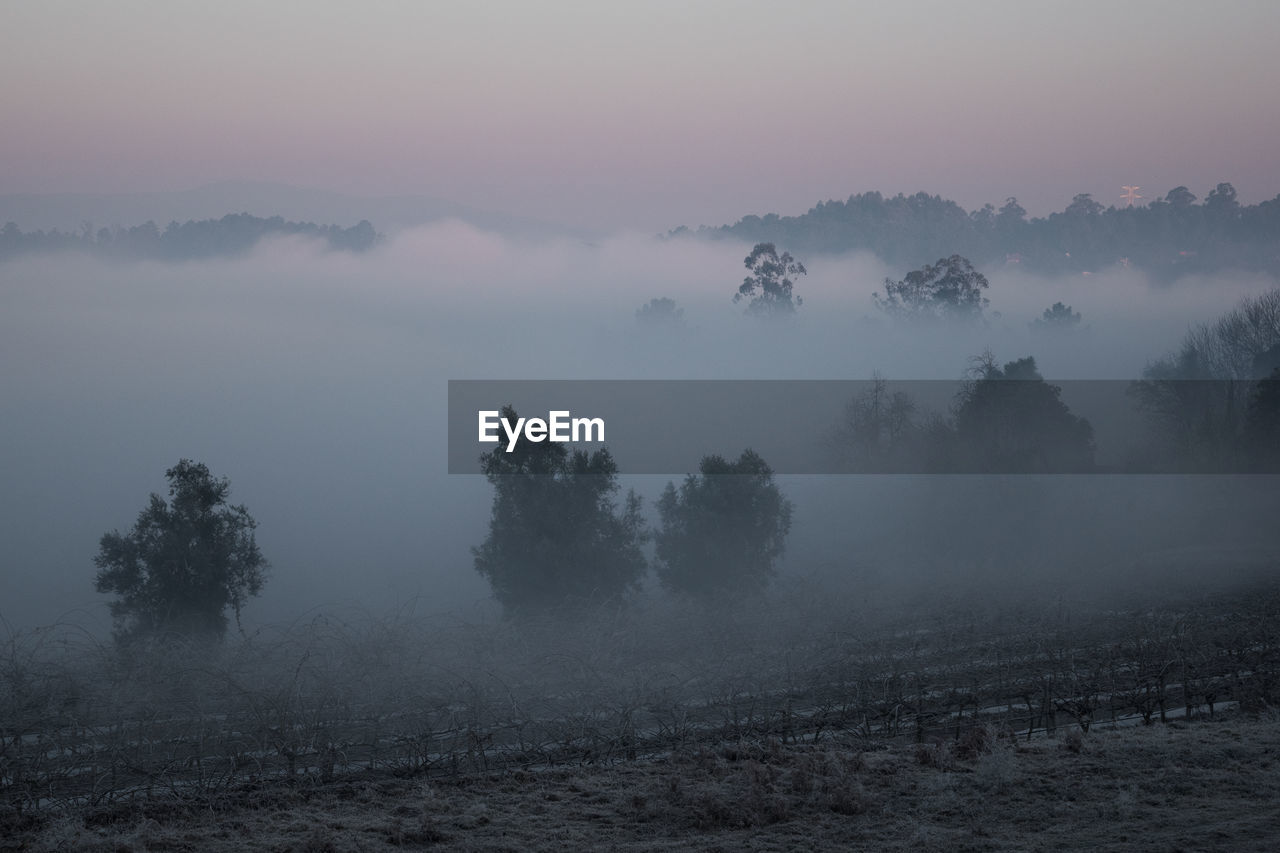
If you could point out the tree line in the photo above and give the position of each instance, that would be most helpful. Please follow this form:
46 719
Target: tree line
1004 420
1168 237
233 234
558 541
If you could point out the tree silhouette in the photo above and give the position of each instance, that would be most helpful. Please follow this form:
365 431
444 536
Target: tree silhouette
1009 420
1262 425
878 431
1221 201
556 539
1083 205
184 563
1057 317
661 311
770 283
1180 197
950 289
723 530
1196 397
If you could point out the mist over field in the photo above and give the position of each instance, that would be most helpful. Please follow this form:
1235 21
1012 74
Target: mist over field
316 381
959 326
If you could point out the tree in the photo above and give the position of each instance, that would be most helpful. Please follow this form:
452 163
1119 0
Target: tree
661 311
951 289
1083 205
878 431
770 284
1009 420
556 539
1180 198
1196 397
1221 201
723 530
1057 317
984 218
185 562
1262 424
1011 213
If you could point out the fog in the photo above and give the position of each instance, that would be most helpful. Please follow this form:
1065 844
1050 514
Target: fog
316 382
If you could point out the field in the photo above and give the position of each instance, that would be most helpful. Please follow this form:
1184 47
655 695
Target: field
1208 785
956 721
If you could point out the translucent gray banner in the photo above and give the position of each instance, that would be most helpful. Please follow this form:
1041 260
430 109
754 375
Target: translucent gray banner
983 426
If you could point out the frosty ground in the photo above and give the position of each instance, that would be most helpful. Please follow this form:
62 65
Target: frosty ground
1203 785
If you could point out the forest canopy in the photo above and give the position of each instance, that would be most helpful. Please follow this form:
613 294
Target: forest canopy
1170 236
233 234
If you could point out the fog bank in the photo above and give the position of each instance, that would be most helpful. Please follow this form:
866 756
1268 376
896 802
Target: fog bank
316 381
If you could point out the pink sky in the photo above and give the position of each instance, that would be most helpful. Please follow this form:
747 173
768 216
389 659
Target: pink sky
644 115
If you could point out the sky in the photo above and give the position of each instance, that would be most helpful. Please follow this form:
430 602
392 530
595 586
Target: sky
648 115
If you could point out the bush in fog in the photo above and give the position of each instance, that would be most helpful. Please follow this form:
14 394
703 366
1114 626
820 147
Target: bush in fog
185 562
770 284
556 538
723 530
